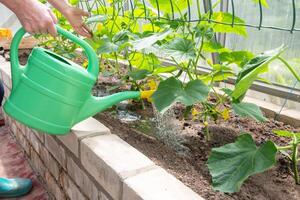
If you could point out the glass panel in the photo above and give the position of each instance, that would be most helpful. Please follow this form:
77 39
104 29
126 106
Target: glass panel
279 14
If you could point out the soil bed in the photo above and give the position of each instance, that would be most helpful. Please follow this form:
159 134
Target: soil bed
136 126
191 169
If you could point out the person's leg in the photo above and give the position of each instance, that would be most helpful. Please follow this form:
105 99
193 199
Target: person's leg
13 187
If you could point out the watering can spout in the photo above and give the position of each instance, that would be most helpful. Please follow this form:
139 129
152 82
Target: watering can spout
97 104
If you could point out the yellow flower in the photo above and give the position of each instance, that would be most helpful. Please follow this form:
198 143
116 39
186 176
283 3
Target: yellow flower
220 18
85 64
205 124
147 95
209 61
152 84
99 27
5 33
225 114
195 112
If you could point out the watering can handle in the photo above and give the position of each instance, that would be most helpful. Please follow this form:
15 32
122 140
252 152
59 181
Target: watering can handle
93 64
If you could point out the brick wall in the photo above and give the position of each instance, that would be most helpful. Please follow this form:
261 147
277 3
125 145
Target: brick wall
91 163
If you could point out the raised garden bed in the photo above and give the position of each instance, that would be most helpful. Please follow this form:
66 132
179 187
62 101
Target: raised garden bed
139 128
186 153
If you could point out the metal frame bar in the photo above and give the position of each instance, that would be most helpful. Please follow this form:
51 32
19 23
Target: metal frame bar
274 89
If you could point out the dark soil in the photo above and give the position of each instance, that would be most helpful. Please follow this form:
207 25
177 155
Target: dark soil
276 183
23 55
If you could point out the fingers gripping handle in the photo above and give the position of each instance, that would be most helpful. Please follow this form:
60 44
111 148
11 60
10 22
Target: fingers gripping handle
93 64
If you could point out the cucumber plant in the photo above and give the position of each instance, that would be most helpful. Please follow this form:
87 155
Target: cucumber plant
231 164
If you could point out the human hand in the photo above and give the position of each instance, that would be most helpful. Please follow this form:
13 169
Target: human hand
75 18
35 17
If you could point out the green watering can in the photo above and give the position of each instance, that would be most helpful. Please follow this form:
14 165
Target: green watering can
51 93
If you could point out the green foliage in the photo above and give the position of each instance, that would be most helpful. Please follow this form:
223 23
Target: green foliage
251 70
138 74
148 41
165 5
248 110
172 90
237 57
263 2
224 20
180 49
231 164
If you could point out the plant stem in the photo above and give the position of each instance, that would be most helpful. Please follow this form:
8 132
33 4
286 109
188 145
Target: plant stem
207 135
284 147
295 160
292 70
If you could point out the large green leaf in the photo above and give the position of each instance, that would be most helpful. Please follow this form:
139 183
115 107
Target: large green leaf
144 61
248 110
172 90
283 133
237 57
231 164
138 74
180 49
164 69
165 5
251 70
226 18
263 3
214 47
107 46
149 41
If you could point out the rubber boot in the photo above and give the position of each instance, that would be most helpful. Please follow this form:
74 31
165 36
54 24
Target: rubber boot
14 187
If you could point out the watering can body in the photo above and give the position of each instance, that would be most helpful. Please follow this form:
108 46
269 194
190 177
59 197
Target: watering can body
51 93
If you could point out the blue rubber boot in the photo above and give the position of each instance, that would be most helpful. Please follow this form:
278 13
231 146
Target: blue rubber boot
14 187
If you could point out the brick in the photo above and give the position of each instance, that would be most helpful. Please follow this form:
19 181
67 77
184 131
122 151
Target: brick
102 196
34 141
13 127
110 160
71 189
50 162
37 163
156 184
71 142
40 135
22 128
82 180
87 128
6 92
23 142
56 150
53 187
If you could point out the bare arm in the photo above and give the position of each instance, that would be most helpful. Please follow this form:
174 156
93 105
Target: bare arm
73 15
37 18
33 15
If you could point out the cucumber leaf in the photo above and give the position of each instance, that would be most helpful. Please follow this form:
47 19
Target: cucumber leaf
251 70
180 49
172 90
149 41
231 164
223 17
165 6
139 74
248 110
